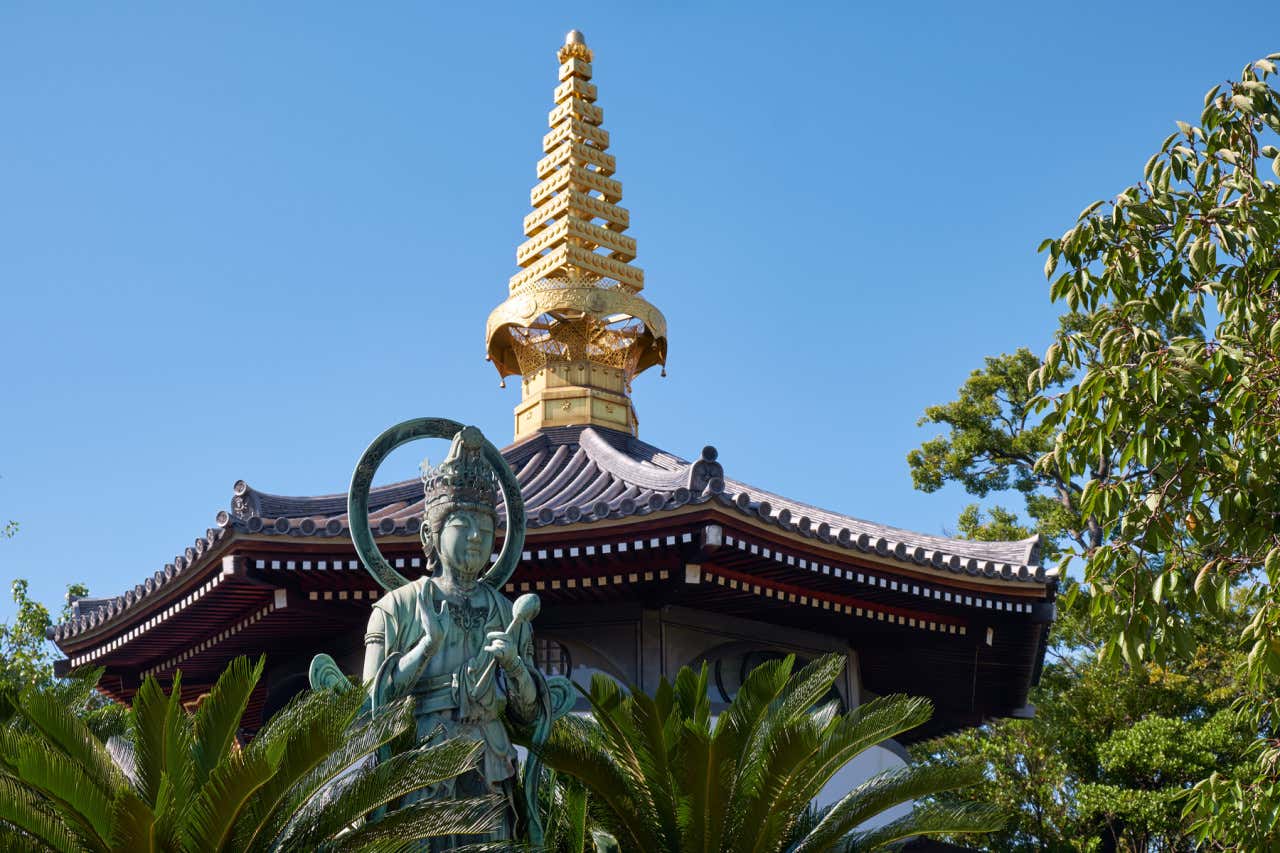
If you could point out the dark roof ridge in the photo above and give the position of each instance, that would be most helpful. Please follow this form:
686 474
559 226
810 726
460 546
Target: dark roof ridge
648 475
1019 551
583 474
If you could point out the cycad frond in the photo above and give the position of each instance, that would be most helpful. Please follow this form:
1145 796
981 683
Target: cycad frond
789 713
834 744
928 819
428 819
60 727
766 813
653 749
580 748
223 796
25 811
302 736
748 783
218 717
12 838
737 727
704 776
861 729
133 824
376 786
359 743
162 743
882 792
56 777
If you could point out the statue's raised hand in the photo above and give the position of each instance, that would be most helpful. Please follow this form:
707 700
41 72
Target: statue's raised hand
435 630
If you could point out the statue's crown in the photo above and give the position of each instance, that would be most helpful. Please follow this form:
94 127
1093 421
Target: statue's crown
464 477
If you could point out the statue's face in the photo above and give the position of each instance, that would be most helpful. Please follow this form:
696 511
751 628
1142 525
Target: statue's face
466 541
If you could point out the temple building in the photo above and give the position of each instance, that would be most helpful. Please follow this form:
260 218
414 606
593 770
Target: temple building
645 560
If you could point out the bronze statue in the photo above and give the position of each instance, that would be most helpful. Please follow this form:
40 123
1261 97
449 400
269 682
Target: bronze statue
450 638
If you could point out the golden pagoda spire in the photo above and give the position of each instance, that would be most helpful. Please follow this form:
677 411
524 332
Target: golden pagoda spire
575 326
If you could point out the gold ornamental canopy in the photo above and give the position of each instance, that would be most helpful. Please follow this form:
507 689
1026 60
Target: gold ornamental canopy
574 325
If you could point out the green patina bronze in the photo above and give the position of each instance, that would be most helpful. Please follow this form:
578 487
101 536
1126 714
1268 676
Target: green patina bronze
450 638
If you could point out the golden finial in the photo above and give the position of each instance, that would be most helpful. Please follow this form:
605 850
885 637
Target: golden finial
575 46
575 325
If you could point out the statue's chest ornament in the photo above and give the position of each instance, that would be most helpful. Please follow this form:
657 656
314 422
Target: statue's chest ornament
467 616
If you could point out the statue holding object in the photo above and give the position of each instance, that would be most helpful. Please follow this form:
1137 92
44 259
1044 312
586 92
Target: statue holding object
450 638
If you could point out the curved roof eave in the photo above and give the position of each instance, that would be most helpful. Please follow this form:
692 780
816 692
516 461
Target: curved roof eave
576 475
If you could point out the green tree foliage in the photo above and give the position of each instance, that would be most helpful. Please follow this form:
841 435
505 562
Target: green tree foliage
992 442
189 785
26 657
1107 762
1172 421
26 662
663 776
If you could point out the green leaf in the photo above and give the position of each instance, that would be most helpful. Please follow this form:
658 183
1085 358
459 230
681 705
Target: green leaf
1272 567
218 716
222 798
64 730
23 809
161 744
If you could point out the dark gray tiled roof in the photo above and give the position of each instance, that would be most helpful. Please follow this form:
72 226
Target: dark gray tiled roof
569 475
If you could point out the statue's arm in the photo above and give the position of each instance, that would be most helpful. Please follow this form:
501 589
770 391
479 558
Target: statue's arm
376 674
522 692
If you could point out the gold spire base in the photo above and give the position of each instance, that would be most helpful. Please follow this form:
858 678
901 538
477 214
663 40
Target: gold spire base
574 393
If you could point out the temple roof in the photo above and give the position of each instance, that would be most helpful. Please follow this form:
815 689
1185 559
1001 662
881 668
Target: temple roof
573 476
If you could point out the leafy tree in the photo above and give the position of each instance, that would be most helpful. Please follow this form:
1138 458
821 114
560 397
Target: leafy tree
1107 761
299 785
1073 771
993 440
1172 417
665 777
25 655
26 661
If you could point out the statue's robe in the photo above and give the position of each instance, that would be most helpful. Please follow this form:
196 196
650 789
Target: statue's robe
449 693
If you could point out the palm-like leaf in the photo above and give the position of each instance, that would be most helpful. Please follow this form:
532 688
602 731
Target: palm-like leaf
881 793
361 742
162 742
225 793
218 717
24 811
191 790
133 824
62 729
667 779
303 734
928 819
55 777
429 819
580 748
372 787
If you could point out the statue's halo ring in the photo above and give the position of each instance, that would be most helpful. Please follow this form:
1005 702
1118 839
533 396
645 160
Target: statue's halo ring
361 481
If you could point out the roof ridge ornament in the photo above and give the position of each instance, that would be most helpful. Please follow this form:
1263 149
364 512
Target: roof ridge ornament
574 325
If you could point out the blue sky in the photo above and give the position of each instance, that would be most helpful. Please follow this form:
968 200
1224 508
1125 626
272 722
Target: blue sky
238 241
